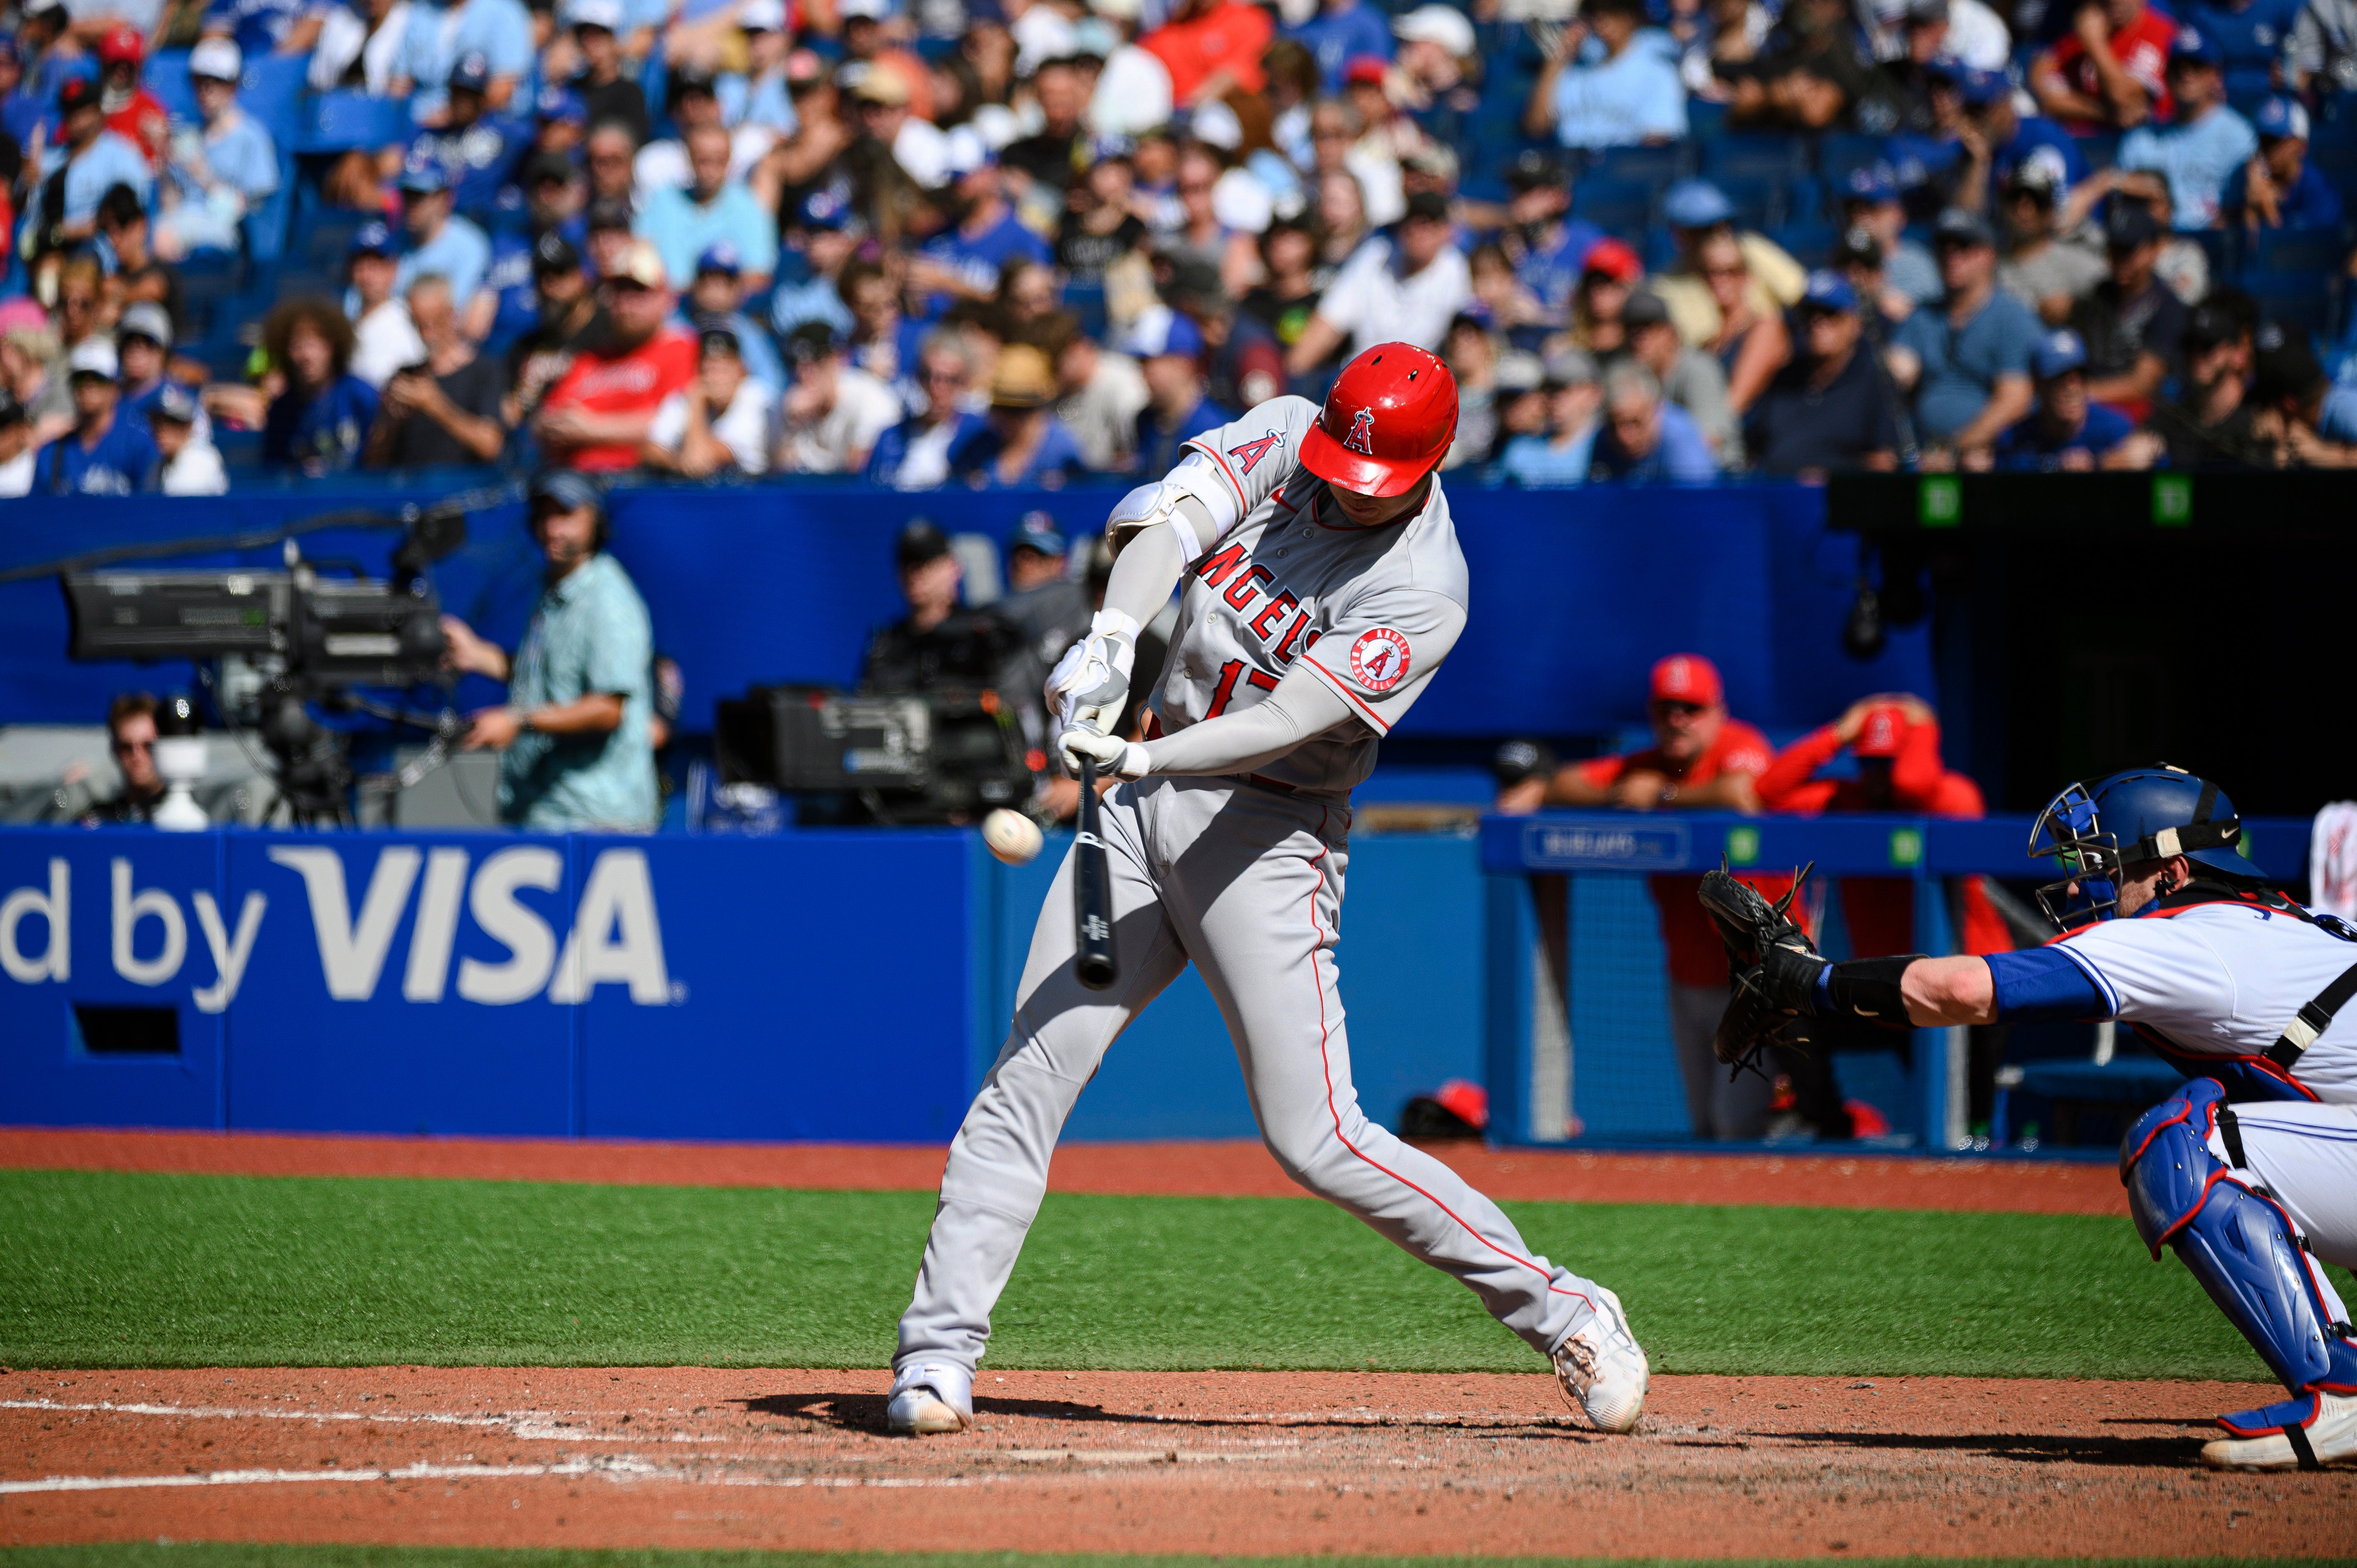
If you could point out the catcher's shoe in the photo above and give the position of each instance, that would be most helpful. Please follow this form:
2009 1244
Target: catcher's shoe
1602 1369
932 1396
2326 1428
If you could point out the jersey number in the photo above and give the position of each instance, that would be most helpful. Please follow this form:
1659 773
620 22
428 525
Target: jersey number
1225 692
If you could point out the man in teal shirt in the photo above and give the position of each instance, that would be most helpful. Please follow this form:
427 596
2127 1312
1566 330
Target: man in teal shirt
576 754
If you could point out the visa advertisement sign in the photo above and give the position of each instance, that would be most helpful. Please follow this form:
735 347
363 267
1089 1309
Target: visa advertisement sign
615 936
486 983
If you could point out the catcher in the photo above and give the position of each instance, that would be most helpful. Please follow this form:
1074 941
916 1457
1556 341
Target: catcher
2250 1171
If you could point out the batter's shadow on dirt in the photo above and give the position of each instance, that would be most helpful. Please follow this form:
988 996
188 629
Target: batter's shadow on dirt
2029 1448
865 1412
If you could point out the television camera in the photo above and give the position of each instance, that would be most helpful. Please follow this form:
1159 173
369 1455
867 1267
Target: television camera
273 643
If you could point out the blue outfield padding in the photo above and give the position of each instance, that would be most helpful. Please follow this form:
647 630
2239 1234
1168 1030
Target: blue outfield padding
1575 593
847 985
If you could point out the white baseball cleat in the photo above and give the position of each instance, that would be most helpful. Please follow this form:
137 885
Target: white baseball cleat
2330 1439
1602 1369
932 1396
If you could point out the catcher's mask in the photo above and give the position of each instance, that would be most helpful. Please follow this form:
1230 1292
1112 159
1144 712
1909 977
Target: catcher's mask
2098 831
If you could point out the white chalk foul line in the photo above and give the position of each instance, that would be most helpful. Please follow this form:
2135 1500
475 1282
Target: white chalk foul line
527 1427
272 1477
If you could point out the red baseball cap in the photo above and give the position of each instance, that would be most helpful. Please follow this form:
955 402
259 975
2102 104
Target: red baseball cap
1468 1103
121 45
1364 67
1614 260
1879 733
1688 678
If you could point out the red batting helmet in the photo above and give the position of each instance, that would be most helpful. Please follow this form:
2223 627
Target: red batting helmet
1387 422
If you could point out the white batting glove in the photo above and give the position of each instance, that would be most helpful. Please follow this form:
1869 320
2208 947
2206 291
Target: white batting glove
1090 685
1114 757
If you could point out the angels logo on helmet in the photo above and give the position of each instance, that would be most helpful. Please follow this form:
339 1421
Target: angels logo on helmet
1379 658
1362 434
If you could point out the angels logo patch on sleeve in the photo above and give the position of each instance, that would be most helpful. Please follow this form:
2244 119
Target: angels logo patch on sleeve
1379 658
1250 453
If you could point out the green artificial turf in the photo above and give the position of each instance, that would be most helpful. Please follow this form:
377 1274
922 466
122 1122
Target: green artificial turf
108 1269
199 1554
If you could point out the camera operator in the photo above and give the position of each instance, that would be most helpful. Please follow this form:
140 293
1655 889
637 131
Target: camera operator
130 739
573 736
940 642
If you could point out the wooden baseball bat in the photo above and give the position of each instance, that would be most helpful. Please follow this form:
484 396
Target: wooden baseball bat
1092 894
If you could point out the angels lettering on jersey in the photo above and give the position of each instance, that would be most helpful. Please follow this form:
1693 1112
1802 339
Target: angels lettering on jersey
1373 611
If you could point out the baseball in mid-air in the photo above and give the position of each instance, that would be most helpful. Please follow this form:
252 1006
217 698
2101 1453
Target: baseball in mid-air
1012 836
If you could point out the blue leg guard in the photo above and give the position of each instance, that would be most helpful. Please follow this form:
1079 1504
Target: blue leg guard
2238 1241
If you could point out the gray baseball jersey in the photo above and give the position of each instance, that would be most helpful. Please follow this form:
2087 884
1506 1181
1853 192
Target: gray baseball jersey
1373 610
1243 882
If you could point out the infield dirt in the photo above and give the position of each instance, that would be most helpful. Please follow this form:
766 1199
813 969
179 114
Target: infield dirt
1228 1462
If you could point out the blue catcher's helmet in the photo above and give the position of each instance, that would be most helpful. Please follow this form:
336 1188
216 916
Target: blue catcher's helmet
2097 830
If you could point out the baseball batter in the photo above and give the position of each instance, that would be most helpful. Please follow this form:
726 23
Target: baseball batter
1322 588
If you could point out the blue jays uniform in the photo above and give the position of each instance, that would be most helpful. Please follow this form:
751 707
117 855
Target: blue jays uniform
2249 1171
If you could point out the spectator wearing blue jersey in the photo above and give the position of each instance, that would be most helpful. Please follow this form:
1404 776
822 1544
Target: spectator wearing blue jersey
713 209
758 95
477 152
86 163
1612 82
1022 443
21 109
554 195
143 346
319 421
1645 438
2204 146
715 301
2067 431
1340 32
963 262
1965 357
2005 142
822 234
1549 247
2249 35
1564 452
1870 201
107 453
438 242
255 26
219 173
1169 348
440 35
2280 188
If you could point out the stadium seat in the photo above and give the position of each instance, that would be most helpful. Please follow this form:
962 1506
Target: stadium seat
2223 247
206 278
2305 302
2294 251
1839 154
273 94
1753 156
1704 121
1085 300
1656 166
2101 149
1616 206
341 121
264 227
167 76
1758 201
1809 242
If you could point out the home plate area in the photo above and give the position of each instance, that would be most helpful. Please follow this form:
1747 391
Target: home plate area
1245 1463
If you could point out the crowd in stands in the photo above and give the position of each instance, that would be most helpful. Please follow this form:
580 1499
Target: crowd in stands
998 243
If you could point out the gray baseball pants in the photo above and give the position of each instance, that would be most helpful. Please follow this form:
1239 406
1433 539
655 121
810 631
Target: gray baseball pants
1246 883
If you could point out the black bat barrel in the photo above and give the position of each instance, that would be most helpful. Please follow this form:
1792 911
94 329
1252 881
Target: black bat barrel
1093 894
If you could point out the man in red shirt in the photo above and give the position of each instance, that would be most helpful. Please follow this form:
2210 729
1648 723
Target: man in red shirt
598 416
2112 72
1211 48
1703 760
131 111
1896 740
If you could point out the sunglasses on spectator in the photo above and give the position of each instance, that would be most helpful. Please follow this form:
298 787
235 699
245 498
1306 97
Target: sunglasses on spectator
129 746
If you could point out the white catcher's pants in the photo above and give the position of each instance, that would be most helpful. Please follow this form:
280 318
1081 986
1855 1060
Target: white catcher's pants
1247 883
2307 1155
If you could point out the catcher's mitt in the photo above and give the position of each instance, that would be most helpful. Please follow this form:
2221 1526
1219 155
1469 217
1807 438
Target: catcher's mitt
1772 969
